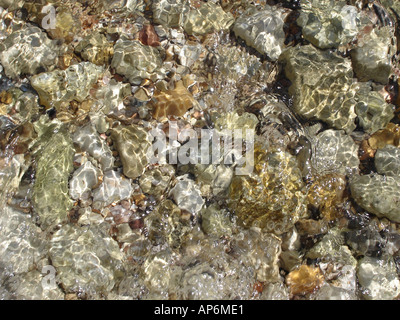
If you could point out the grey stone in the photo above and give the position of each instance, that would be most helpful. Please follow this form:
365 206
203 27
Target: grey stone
387 161
87 260
83 180
378 195
27 51
378 278
262 30
187 195
335 152
115 187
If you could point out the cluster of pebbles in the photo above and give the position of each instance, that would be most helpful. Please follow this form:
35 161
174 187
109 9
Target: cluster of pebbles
84 213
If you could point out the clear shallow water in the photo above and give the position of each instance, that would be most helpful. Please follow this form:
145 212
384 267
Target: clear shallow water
84 215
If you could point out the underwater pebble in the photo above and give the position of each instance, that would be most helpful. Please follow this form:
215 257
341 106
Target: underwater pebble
378 278
86 260
216 221
273 197
173 102
27 51
329 23
63 86
329 292
83 180
187 195
377 194
50 192
372 110
335 152
136 61
322 86
304 280
262 30
372 57
95 48
89 140
22 244
207 18
114 187
132 143
387 161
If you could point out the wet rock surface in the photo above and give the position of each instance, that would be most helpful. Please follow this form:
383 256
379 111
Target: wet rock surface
322 86
27 51
262 30
377 194
224 150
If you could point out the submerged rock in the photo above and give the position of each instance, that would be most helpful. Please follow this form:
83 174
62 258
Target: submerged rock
332 249
17 108
216 221
11 4
132 144
89 140
63 86
263 30
233 121
259 250
275 291
378 278
372 57
173 102
329 23
167 224
87 261
327 194
335 152
22 244
112 97
83 180
29 286
366 241
115 187
160 275
330 292
390 135
378 194
67 25
387 161
234 63
273 197
207 18
156 181
306 279
50 192
322 86
187 195
372 110
95 48
27 51
169 13
11 172
136 61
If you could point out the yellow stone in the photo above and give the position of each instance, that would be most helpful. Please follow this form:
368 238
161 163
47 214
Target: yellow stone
172 102
304 280
326 193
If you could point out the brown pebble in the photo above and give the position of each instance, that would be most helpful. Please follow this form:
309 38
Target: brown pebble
148 36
